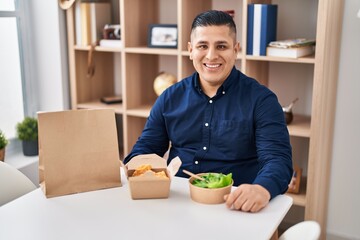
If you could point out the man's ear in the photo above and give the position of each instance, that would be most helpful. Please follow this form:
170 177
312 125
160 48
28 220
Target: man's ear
190 50
237 47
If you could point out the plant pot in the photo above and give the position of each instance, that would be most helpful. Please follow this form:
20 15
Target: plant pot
288 117
30 148
2 154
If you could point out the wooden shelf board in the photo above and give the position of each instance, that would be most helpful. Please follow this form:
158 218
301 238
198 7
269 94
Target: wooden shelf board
98 49
142 111
156 51
118 107
300 126
108 49
82 48
185 53
308 59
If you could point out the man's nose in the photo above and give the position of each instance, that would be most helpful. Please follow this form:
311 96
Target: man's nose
211 53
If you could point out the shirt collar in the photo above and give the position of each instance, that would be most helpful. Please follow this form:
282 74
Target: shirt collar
196 81
224 87
230 80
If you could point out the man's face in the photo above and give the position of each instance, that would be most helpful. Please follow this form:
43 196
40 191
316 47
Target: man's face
213 51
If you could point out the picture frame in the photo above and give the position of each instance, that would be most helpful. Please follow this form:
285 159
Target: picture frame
163 36
294 186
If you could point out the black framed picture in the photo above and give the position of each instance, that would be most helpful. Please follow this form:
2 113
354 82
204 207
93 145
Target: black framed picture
162 36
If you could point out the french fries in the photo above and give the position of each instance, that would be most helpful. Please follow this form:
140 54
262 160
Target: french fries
142 169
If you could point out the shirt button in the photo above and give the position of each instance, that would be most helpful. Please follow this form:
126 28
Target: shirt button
223 92
204 148
206 124
196 162
210 101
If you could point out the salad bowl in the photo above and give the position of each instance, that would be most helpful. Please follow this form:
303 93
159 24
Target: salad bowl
212 189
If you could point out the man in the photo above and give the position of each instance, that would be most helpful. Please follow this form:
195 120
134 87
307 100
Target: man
219 120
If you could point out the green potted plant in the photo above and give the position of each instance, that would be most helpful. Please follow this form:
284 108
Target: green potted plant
27 132
3 143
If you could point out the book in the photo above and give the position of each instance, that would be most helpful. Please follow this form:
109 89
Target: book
294 52
90 19
261 29
112 43
292 43
85 24
111 99
78 39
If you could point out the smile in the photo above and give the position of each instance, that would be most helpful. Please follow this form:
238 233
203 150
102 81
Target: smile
212 65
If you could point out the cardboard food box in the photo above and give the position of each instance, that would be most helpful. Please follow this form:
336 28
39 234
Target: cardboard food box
148 185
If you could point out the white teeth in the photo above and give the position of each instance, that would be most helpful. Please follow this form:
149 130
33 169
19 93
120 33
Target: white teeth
212 65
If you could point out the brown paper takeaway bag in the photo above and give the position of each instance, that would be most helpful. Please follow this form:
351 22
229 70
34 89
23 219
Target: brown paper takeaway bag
78 151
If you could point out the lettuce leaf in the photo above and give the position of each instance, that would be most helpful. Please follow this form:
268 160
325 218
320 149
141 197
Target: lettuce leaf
214 180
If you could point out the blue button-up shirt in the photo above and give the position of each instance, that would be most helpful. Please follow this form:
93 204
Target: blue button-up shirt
241 130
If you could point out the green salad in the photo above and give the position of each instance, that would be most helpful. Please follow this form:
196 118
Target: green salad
214 180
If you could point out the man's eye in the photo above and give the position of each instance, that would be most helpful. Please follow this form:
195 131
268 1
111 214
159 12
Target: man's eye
202 47
221 47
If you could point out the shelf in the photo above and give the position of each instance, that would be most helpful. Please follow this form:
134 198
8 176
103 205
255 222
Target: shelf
300 126
139 65
143 111
308 59
185 53
98 49
118 107
108 49
157 51
82 48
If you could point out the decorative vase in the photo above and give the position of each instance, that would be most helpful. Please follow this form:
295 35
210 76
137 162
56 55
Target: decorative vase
30 148
2 154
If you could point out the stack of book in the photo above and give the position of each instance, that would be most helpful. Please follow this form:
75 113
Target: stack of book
111 43
291 48
261 29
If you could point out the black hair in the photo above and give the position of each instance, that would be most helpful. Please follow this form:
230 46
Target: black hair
214 18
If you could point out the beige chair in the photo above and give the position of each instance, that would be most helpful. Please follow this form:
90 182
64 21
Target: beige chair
13 183
306 230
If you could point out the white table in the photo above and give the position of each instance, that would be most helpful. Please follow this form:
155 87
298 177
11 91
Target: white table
112 214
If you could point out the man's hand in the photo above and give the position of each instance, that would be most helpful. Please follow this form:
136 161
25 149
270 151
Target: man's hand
248 198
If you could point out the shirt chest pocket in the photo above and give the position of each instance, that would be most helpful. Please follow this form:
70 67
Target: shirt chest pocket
232 134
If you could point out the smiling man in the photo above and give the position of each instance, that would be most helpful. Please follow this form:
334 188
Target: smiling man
213 50
220 120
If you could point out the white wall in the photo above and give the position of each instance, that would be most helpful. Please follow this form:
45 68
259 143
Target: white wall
344 207
48 46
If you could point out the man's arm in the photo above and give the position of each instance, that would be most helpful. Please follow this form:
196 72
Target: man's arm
273 146
154 138
274 155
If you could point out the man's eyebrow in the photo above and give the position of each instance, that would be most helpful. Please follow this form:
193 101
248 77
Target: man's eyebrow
217 42
202 42
222 42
